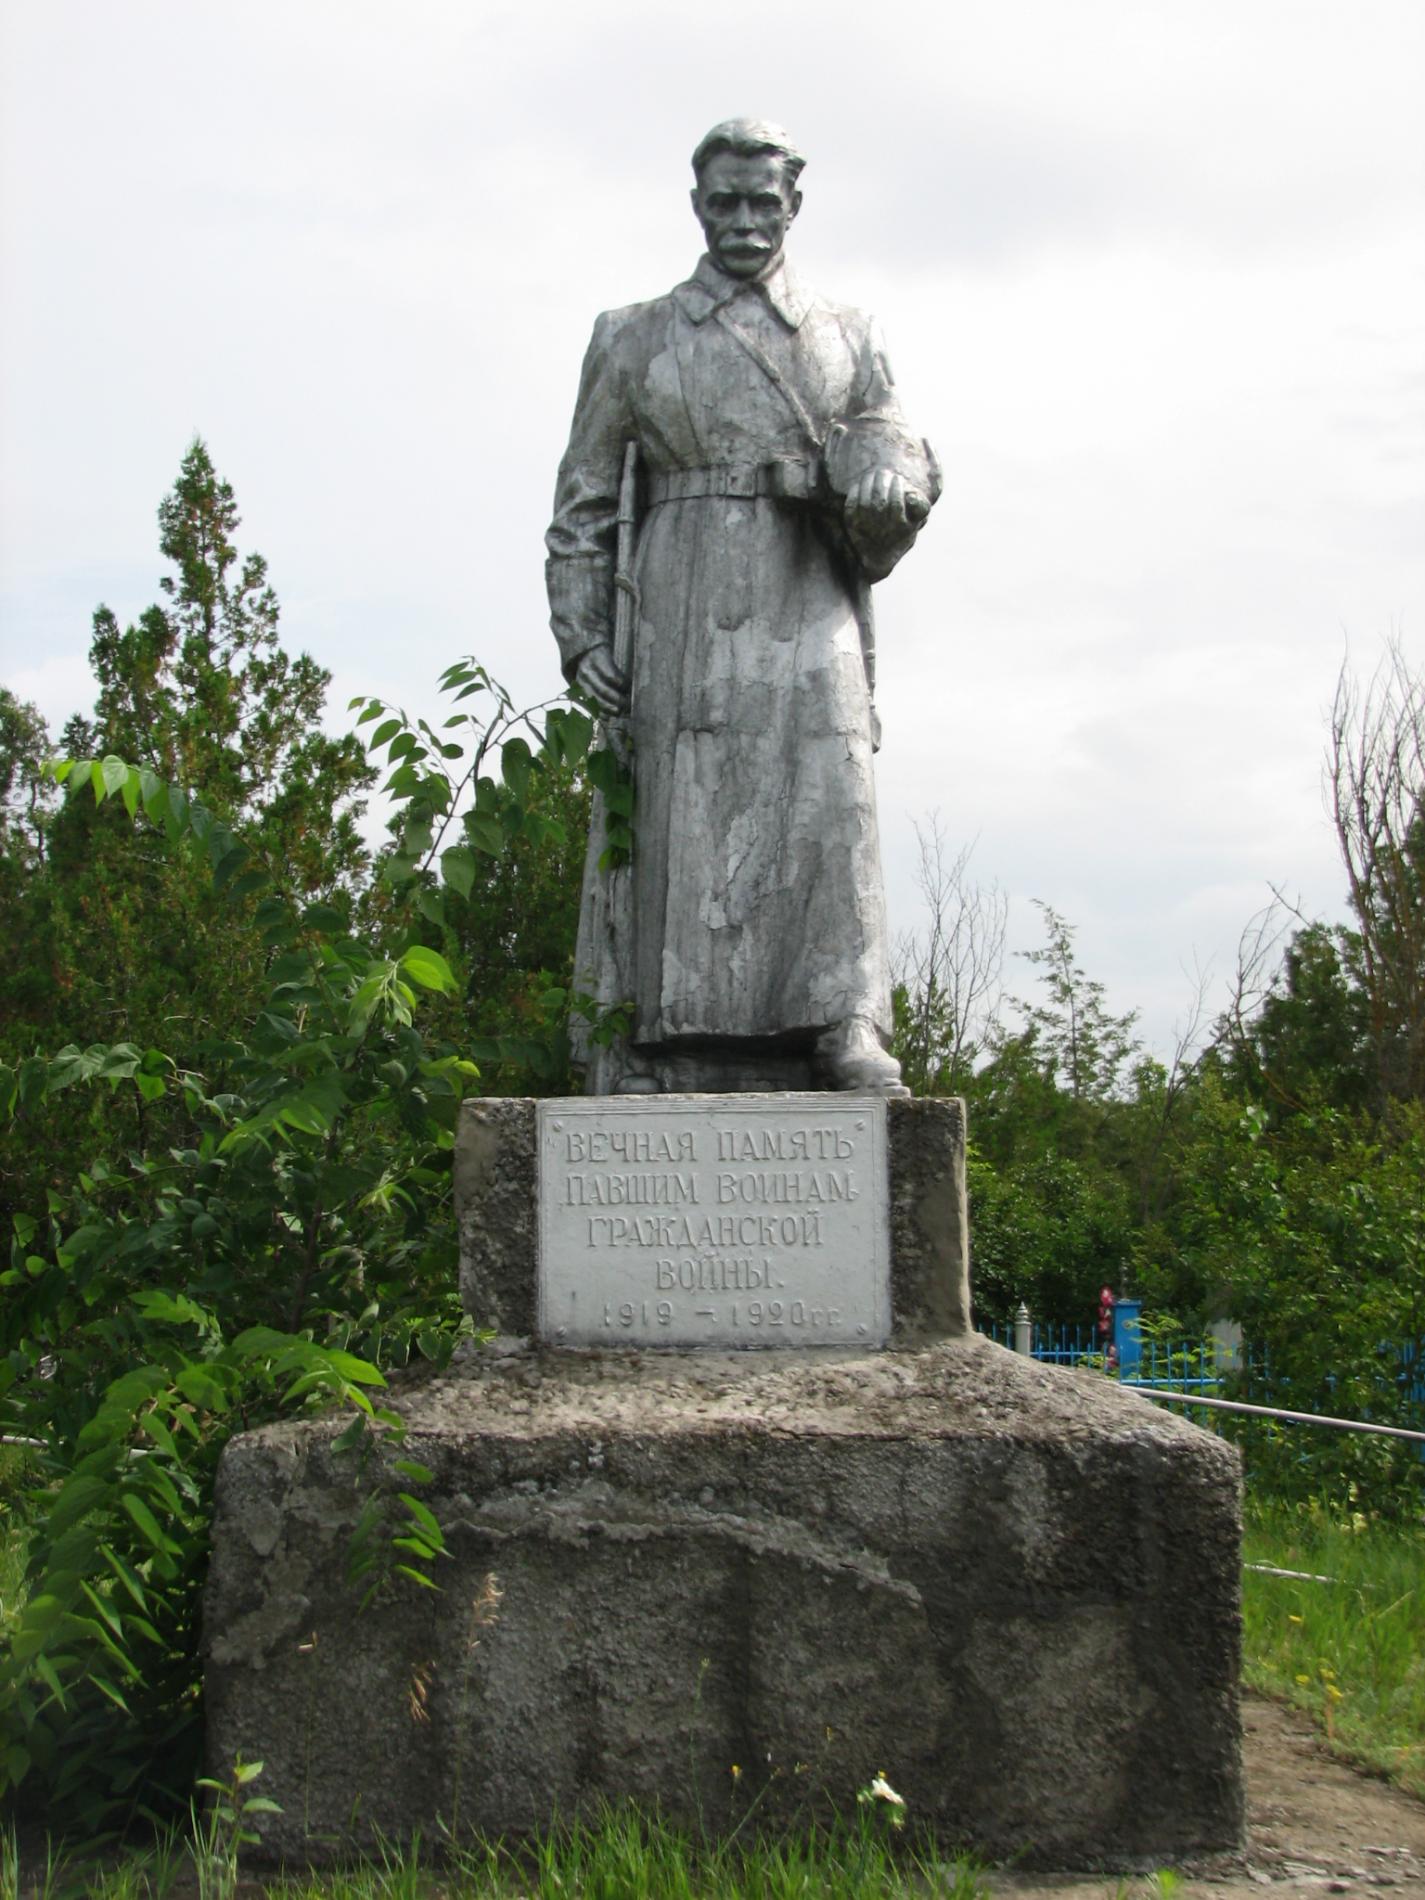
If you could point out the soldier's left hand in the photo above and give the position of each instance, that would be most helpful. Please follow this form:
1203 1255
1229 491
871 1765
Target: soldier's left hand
881 505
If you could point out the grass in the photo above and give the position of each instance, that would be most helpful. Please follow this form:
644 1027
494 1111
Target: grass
622 1855
1351 1652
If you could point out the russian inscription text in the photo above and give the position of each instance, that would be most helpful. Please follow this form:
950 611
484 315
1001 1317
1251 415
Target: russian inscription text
661 1222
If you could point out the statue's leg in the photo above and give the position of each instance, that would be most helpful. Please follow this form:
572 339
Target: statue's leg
851 1057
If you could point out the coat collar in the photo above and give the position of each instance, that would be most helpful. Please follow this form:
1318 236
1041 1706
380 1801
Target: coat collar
709 290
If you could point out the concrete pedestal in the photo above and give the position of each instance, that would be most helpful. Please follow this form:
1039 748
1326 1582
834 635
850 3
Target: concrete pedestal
1011 1589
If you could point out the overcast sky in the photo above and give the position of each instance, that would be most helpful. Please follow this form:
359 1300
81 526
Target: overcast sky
1153 278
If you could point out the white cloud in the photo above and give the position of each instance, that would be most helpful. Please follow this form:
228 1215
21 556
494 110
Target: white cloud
1151 274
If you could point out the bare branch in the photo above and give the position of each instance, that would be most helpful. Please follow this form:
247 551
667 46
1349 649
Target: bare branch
952 969
1375 789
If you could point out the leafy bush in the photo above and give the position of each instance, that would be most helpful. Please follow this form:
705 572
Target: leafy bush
280 1228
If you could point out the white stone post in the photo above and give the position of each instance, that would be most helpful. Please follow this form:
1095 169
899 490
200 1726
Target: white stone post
1023 1331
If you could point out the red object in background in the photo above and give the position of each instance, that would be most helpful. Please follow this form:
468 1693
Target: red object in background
1106 1304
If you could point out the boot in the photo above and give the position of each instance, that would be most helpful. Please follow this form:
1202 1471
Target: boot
852 1058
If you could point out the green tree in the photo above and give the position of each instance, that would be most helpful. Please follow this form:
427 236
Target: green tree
202 690
294 1239
1310 1040
1060 1144
121 942
26 810
1083 1046
1376 781
26 795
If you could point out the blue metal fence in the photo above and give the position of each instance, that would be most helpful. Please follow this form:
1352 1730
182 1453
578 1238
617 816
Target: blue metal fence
1186 1365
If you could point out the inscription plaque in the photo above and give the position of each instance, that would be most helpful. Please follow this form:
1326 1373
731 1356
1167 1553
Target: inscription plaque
714 1220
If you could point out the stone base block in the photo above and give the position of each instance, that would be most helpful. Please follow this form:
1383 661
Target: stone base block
1011 1589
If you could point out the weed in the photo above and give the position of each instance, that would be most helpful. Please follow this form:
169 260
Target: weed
1349 1649
222 1831
46 1884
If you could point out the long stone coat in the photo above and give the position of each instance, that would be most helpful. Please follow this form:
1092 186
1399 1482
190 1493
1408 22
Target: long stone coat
757 902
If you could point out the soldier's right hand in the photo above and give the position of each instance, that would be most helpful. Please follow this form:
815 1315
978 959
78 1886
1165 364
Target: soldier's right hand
599 679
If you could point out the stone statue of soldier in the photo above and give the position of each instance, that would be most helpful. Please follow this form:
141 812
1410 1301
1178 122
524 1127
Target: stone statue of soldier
767 478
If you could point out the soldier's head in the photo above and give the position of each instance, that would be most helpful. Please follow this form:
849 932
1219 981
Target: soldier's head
746 195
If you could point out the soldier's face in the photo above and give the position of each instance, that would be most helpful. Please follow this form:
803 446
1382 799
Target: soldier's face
744 206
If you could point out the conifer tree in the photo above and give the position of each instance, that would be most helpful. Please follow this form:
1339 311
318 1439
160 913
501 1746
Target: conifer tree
113 936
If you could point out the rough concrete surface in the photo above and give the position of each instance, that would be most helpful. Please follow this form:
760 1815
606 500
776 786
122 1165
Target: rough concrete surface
930 1221
1011 1589
496 1195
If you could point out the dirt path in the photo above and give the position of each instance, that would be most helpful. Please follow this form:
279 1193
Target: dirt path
1315 1825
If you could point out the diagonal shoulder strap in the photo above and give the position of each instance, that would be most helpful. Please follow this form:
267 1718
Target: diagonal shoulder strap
773 374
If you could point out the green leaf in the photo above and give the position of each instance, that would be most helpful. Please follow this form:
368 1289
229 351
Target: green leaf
417 1546
457 866
147 1522
80 1496
228 865
106 1688
178 1309
114 774
45 1669
359 1371
385 732
154 1426
486 834
575 732
126 1576
202 1388
154 793
515 766
130 791
416 1576
103 1610
430 969
425 1517
323 917
352 1436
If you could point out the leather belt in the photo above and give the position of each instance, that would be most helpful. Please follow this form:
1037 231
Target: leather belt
787 480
